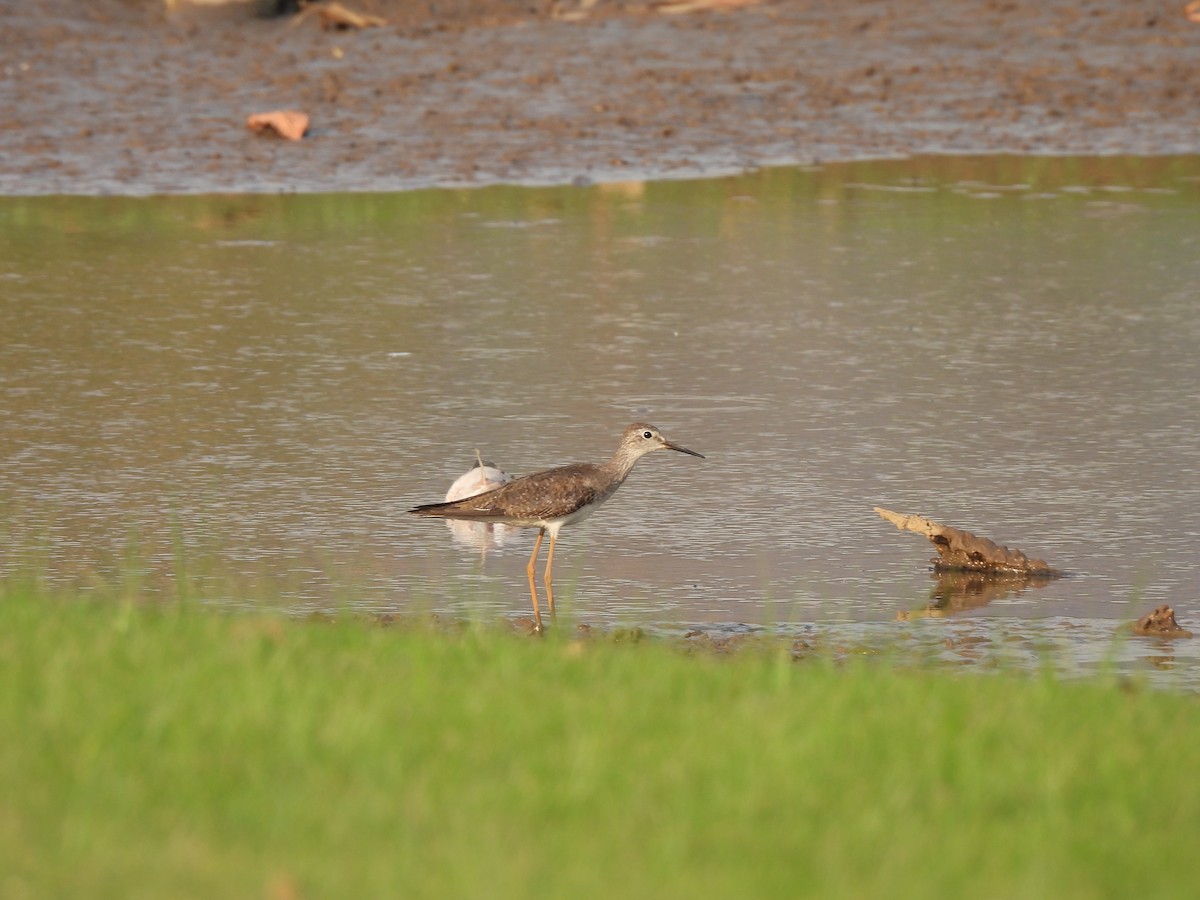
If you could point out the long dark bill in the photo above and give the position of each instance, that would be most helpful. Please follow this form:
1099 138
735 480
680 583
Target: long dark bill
673 446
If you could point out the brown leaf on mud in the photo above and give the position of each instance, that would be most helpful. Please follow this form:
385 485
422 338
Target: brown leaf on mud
1161 623
335 17
571 10
1192 11
961 551
678 7
287 123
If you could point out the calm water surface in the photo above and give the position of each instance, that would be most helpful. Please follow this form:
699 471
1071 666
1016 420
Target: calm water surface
1007 345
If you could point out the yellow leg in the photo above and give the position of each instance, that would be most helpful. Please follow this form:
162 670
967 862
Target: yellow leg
537 613
547 577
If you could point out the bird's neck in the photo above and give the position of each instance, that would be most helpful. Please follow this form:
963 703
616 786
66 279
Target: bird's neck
620 465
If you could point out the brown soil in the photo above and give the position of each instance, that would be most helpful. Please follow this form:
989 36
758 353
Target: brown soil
120 96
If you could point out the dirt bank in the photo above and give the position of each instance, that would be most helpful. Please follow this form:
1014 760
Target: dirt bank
120 96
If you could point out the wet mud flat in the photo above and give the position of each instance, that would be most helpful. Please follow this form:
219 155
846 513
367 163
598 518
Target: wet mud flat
121 96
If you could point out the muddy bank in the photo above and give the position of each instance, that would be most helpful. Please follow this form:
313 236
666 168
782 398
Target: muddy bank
118 96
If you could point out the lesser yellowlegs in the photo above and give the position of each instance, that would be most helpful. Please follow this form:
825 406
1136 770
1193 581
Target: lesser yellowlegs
553 498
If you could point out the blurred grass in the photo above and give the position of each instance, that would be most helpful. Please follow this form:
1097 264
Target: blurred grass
171 751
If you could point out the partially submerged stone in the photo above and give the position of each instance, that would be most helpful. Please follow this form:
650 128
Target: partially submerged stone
1161 623
961 551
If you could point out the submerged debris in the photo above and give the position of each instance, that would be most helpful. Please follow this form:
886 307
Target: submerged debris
961 551
678 7
287 123
571 10
1161 623
336 17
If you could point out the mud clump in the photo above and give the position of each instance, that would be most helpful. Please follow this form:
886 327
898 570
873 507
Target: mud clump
962 551
1161 623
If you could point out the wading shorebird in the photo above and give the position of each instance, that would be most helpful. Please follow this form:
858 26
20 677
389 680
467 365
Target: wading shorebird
553 498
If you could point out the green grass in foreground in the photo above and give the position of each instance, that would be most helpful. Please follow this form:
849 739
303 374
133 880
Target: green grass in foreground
183 753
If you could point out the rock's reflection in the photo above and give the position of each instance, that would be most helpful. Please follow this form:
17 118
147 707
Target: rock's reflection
955 592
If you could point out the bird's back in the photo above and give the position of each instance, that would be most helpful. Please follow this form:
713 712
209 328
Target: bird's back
535 499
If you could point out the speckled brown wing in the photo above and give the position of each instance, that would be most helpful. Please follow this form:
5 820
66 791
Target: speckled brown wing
543 495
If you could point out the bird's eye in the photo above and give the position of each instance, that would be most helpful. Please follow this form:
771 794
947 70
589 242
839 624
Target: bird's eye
647 434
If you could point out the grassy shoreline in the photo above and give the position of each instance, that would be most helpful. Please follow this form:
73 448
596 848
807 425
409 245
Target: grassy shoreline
177 752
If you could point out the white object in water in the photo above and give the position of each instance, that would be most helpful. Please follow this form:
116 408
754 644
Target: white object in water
484 476
482 536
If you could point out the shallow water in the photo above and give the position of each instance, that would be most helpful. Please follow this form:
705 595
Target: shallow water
1007 345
